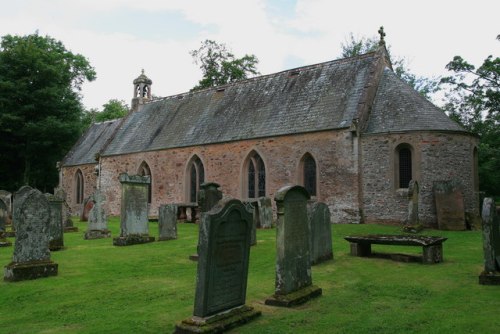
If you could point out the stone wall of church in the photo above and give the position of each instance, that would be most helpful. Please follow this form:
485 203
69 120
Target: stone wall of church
223 163
69 184
435 157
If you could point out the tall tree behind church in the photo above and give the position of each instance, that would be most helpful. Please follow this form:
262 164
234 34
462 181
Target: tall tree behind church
40 108
219 66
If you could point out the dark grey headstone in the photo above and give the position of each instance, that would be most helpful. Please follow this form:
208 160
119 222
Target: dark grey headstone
6 197
321 232
4 215
224 250
491 244
134 210
450 207
56 232
167 222
31 257
293 260
208 196
252 209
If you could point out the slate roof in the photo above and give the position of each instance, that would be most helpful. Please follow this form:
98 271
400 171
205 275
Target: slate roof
312 98
90 143
398 107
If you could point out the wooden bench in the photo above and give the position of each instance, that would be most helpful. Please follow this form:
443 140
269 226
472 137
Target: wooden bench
432 246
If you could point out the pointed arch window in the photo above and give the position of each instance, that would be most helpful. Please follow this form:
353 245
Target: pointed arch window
309 174
256 176
404 167
145 171
79 187
196 176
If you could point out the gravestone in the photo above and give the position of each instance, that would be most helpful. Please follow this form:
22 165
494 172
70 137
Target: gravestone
31 257
264 213
67 221
134 211
97 227
491 244
6 197
56 232
293 283
86 207
252 208
167 222
320 245
222 271
450 208
4 213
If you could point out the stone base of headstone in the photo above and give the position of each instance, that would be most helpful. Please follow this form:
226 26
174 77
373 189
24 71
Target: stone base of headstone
56 245
5 243
295 298
218 323
165 238
323 258
132 239
15 272
70 229
194 257
492 278
97 234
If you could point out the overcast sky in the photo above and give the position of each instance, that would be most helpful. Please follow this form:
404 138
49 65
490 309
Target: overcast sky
121 37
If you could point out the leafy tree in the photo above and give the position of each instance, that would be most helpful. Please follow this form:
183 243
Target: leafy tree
113 109
40 109
357 46
473 99
219 66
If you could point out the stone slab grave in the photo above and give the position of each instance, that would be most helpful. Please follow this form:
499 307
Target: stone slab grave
68 225
293 284
491 244
450 207
31 259
221 282
167 222
97 227
4 215
432 247
56 232
320 245
134 211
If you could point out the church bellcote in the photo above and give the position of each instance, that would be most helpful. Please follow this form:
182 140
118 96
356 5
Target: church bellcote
142 91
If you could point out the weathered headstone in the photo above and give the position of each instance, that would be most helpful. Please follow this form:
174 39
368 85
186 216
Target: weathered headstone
491 244
222 271
252 208
86 207
134 211
264 213
31 257
56 232
167 222
4 215
97 227
68 225
320 246
6 197
293 284
450 208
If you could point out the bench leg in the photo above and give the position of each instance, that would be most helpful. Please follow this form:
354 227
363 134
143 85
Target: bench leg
361 249
433 254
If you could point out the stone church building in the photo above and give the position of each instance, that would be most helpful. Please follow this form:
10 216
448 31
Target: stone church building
349 130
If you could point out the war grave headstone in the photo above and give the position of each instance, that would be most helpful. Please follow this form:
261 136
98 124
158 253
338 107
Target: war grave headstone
86 207
134 211
208 196
293 283
221 282
167 222
491 244
450 208
251 207
31 257
320 245
97 227
4 214
56 232
68 225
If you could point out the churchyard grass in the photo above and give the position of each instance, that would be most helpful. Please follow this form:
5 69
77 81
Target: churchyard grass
147 288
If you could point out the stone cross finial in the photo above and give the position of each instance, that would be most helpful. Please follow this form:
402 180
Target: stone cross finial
142 71
382 35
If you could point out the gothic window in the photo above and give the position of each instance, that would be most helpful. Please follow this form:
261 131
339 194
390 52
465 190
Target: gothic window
404 165
196 173
145 171
309 174
256 176
79 187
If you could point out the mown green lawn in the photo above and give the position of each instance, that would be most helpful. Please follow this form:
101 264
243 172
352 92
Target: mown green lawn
147 288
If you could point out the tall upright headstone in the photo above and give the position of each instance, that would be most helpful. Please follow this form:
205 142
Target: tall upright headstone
320 246
265 212
134 211
221 280
252 208
31 257
293 284
413 192
3 221
450 207
97 227
491 244
167 222
56 232
6 197
68 225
